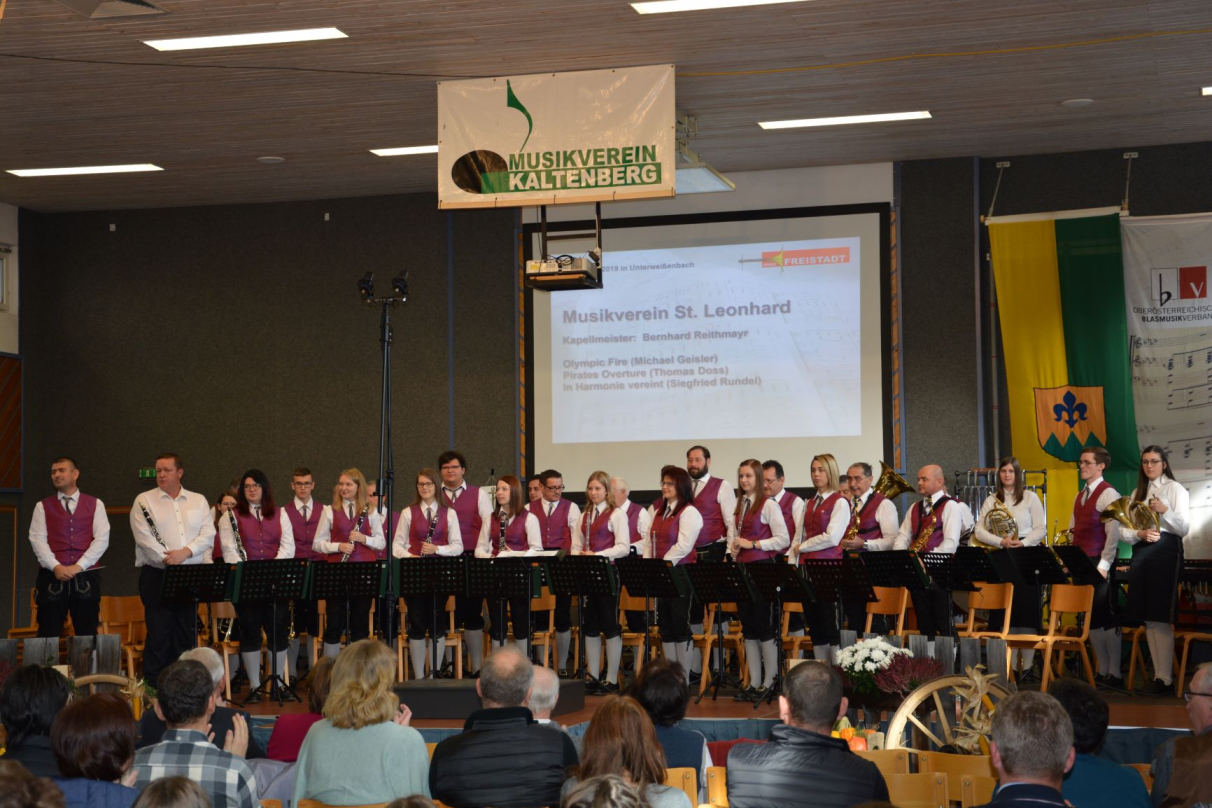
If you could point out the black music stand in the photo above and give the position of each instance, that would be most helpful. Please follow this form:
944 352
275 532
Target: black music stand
656 578
1036 565
896 568
347 580
581 575
719 581
500 579
947 573
778 583
1077 564
271 581
194 584
985 564
436 576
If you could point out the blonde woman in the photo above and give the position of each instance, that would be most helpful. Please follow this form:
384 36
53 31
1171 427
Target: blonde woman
601 530
363 752
826 517
349 526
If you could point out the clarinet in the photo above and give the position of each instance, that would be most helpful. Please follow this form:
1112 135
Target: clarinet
433 524
151 523
501 548
357 529
235 530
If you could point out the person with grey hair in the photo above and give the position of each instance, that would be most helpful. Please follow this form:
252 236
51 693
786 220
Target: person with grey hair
503 758
151 728
1181 766
1031 748
802 766
544 694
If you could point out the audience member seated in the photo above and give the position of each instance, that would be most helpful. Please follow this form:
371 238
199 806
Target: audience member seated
185 701
1181 765
173 792
414 801
290 730
503 758
20 789
621 740
544 695
1093 781
1031 748
94 745
662 691
151 728
801 764
29 701
363 751
609 791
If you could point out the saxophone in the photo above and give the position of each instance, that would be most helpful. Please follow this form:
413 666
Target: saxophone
852 532
357 528
923 532
235 531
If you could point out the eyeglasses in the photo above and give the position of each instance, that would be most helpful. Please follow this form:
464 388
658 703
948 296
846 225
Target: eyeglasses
1151 463
667 484
1190 694
425 484
554 487
450 467
251 486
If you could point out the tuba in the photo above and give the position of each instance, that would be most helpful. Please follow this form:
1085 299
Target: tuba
1131 514
999 521
890 484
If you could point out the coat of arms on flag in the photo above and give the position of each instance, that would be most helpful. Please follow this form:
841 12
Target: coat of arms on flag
1070 419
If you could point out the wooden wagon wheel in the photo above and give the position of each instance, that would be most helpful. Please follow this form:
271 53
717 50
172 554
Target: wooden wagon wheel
941 702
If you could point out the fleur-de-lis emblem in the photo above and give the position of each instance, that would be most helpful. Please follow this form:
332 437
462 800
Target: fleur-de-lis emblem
1070 411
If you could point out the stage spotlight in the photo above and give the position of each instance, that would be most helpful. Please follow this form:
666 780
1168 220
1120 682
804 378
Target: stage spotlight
366 287
399 285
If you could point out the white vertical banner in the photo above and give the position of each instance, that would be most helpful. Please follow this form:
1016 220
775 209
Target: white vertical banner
552 138
1166 260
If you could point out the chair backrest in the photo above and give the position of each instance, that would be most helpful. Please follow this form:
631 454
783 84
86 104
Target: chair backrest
1145 770
717 786
123 615
991 596
956 767
976 791
429 747
890 600
915 790
1070 599
686 779
629 604
545 602
318 804
888 761
271 803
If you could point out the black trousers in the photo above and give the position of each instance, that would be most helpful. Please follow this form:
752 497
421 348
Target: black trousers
519 617
674 620
307 617
821 619
637 621
563 615
600 616
421 613
354 612
170 629
1153 580
258 617
933 608
80 597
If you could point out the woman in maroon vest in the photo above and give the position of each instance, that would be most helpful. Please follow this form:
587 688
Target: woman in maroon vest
826 518
761 535
673 532
427 529
601 530
512 531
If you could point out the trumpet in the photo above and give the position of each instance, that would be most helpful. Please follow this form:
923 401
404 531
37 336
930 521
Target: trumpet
1132 514
999 520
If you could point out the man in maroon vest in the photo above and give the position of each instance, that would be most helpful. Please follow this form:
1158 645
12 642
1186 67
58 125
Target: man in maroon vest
534 489
69 532
877 522
945 522
792 506
304 514
716 502
639 519
1101 543
472 506
557 517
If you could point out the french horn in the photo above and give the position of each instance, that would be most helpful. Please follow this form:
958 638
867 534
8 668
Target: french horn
1132 514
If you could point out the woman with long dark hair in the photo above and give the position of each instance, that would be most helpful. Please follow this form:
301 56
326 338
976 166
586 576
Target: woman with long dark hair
672 532
511 531
1157 557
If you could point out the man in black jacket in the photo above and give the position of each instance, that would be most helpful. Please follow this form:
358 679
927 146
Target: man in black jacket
503 758
801 766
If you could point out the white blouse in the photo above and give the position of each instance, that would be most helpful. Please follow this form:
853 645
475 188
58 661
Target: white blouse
1028 514
1177 520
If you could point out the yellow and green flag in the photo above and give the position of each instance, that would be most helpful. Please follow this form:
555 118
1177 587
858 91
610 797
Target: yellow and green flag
1060 295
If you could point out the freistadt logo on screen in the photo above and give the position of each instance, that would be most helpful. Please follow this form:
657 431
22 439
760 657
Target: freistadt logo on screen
806 258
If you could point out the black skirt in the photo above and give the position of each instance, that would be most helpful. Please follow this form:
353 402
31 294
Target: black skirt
1153 580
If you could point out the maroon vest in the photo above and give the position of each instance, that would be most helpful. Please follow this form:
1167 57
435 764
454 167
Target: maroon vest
915 521
664 534
305 532
816 522
1088 532
390 535
69 536
750 526
868 526
418 529
633 521
342 526
555 532
597 536
261 538
787 506
467 510
708 503
515 534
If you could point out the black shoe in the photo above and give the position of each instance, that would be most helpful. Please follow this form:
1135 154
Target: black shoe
1113 683
695 678
1157 688
253 697
745 694
563 674
609 688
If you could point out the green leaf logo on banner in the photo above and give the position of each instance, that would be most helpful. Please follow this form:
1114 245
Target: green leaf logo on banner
511 100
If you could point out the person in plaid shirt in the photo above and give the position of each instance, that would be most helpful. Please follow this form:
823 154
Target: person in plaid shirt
185 701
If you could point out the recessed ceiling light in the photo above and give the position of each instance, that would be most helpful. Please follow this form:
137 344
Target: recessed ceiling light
667 6
1207 91
271 161
237 40
405 150
63 172
1074 103
846 119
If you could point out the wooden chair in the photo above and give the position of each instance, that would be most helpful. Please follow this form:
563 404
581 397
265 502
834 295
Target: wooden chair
545 602
223 610
793 645
454 637
717 786
914 790
402 668
976 791
991 597
955 767
1187 637
634 639
318 804
733 641
124 616
317 642
1136 659
889 602
26 632
888 761
686 779
271 803
429 747
1065 599
1145 770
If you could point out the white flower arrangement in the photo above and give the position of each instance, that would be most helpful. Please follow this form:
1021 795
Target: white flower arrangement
869 656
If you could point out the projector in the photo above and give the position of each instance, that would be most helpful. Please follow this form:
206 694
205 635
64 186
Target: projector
555 275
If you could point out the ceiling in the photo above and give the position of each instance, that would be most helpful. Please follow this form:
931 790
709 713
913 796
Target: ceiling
992 74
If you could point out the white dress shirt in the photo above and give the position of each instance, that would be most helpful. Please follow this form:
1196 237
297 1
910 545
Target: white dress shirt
41 544
483 500
771 515
727 499
1028 515
183 521
839 520
490 537
1177 520
689 525
953 527
1111 547
886 517
454 538
373 528
617 527
227 539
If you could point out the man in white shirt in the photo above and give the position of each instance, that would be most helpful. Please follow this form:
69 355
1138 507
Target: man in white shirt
558 518
933 525
875 518
715 501
69 532
171 526
793 506
473 506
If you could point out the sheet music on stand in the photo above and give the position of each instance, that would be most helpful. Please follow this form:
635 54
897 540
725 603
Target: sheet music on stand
946 573
896 568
